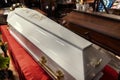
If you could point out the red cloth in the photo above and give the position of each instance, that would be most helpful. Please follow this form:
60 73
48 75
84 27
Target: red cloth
27 67
109 74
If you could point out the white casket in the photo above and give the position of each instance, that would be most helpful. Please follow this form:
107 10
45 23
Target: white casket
62 54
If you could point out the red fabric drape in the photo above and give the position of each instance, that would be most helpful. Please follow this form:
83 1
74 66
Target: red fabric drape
109 74
23 62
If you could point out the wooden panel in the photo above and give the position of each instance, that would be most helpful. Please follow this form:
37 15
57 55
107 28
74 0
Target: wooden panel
99 29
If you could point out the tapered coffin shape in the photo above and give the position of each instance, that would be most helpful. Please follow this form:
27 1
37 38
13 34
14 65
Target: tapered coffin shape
62 54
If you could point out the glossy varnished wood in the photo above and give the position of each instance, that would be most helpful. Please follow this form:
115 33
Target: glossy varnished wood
102 30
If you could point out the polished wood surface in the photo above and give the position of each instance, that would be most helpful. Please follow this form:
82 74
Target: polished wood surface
102 30
3 19
40 11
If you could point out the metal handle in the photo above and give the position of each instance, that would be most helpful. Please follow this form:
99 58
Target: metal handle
95 63
58 75
98 63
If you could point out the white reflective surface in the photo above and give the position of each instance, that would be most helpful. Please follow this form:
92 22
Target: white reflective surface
61 45
64 54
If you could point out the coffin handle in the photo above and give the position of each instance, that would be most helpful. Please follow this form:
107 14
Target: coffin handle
98 62
58 75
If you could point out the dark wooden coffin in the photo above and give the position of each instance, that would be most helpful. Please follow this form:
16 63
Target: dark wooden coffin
101 29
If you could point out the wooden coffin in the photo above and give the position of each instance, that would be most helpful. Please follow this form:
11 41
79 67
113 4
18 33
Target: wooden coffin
101 29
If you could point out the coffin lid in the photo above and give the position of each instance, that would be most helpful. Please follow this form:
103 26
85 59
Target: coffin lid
60 44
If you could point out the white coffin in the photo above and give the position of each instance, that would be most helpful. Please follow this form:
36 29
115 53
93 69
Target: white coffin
64 50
